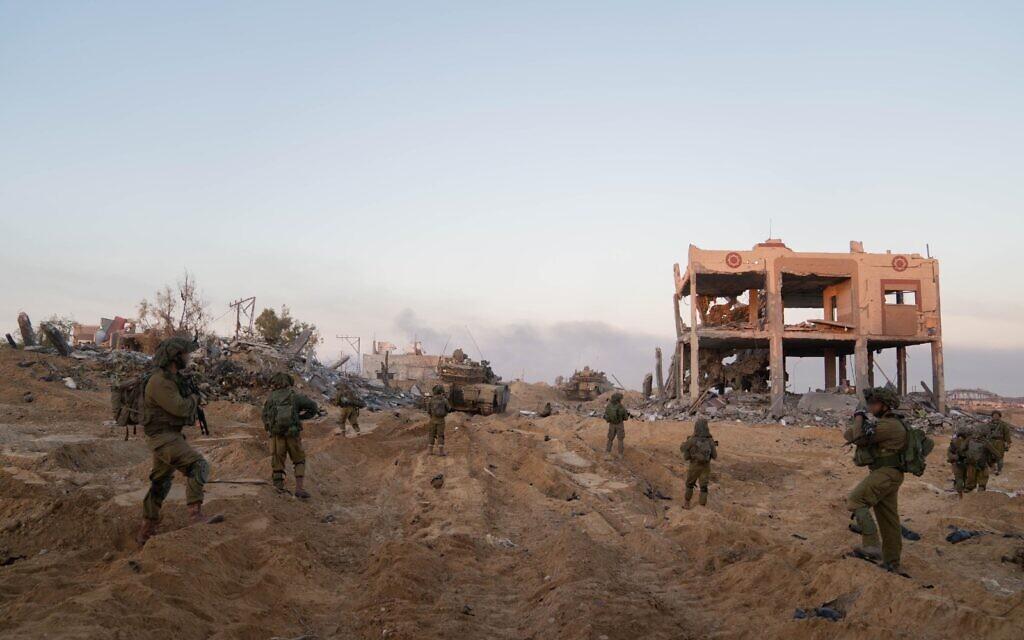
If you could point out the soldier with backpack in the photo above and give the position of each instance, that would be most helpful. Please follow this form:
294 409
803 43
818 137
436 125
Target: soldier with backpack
350 405
888 448
616 415
1001 435
956 456
980 454
437 409
283 413
167 407
699 450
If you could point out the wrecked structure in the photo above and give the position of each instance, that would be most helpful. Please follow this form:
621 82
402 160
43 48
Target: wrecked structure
401 370
737 335
585 385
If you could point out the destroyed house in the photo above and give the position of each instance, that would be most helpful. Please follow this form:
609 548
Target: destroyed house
739 302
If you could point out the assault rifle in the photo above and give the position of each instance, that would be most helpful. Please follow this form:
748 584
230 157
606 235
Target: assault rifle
190 385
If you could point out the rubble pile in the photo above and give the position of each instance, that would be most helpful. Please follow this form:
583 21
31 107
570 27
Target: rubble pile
822 409
224 369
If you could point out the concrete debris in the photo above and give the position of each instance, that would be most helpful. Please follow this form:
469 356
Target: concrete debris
28 336
70 383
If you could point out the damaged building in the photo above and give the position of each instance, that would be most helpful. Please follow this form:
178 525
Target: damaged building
737 335
401 370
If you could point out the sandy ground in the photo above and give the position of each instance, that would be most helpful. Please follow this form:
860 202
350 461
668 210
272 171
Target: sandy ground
534 534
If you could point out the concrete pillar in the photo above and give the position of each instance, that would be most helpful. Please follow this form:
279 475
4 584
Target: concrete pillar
659 375
694 340
776 358
677 363
871 368
861 363
830 369
938 376
844 377
901 370
752 308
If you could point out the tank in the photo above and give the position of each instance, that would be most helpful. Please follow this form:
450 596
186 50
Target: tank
471 386
586 385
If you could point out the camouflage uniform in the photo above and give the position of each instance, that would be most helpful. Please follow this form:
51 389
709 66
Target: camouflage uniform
955 457
350 405
437 408
615 415
981 454
1001 435
879 448
697 447
286 434
167 408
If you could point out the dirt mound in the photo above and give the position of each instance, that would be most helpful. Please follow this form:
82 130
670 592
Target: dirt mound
532 534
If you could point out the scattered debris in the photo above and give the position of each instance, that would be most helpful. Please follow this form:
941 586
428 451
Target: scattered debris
1017 558
437 481
500 542
70 383
959 535
28 397
655 494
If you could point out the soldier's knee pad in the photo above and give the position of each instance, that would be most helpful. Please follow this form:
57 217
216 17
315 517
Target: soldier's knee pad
199 471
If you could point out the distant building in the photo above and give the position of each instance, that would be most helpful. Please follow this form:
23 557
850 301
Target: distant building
869 302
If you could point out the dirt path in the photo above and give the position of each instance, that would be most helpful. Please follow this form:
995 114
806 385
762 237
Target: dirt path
534 534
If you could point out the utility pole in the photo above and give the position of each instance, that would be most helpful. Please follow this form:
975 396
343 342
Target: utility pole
357 345
244 307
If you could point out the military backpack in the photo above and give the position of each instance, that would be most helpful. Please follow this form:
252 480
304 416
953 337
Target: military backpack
919 446
126 400
280 417
437 407
700 450
976 452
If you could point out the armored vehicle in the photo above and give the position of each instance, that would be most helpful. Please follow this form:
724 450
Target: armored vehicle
586 385
471 386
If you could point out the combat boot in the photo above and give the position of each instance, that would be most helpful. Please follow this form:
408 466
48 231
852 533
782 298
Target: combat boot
441 451
300 493
687 497
196 515
430 452
703 498
147 531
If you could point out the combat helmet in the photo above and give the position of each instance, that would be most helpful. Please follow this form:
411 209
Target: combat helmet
616 397
173 349
885 395
700 428
281 380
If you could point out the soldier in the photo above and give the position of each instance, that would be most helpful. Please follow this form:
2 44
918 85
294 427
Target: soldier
1001 436
350 405
283 413
699 450
437 409
615 415
880 447
167 408
980 454
956 457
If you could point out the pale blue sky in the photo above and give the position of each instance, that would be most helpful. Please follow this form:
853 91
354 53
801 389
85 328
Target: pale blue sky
492 164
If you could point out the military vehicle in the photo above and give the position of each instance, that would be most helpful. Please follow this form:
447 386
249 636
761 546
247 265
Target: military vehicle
471 386
586 385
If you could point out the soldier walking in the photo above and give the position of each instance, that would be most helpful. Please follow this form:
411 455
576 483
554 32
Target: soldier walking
283 413
168 406
1001 436
699 450
350 405
437 409
616 415
879 447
